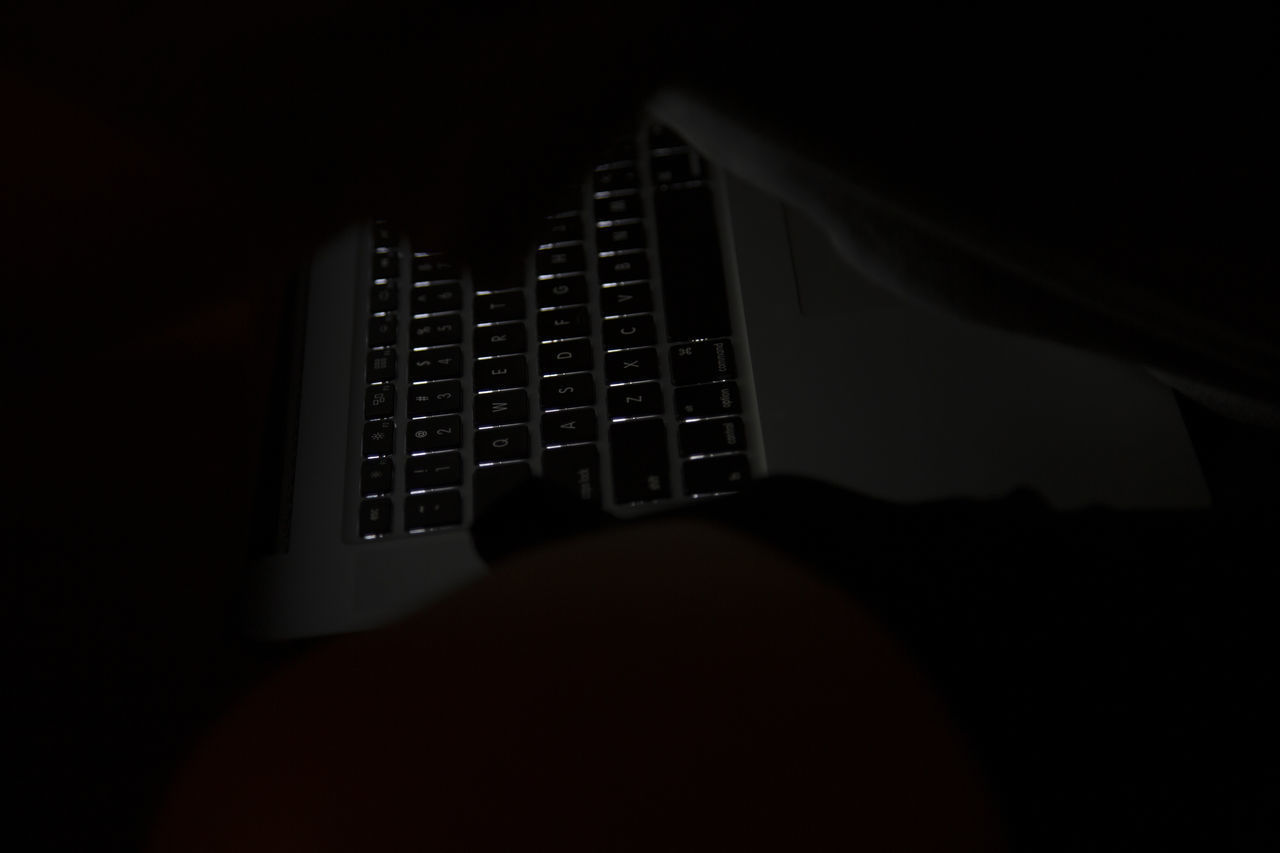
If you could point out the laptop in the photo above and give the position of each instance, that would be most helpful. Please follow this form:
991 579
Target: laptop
675 332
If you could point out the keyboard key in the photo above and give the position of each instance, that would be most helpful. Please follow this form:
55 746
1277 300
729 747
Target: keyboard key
379 401
624 267
502 444
628 332
383 297
616 238
577 469
708 401
569 426
441 363
639 461
556 292
432 298
677 168
565 357
626 299
382 331
717 474
379 438
433 331
510 371
443 433
564 323
384 236
433 266
616 207
386 264
377 476
631 401
434 509
705 361
631 365
433 471
561 229
435 398
718 436
693 283
380 365
621 177
497 307
560 259
502 407
493 482
375 516
503 339
560 392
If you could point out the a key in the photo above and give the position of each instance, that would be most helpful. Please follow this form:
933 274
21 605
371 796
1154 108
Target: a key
502 444
379 438
636 400
721 435
382 331
559 392
631 365
560 323
615 207
440 363
558 292
621 177
434 509
708 401
616 238
576 469
639 455
568 426
433 331
717 474
434 398
501 407
631 266
433 471
375 516
498 307
380 365
628 332
386 264
564 357
433 266
379 401
383 297
626 299
561 229
510 371
704 361
433 298
502 339
444 433
377 476
560 259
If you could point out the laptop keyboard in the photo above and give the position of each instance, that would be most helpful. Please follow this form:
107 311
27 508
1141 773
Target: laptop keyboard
609 363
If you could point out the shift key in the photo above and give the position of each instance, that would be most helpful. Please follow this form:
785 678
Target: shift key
640 468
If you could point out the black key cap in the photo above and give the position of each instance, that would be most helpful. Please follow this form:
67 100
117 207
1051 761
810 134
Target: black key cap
718 436
502 444
560 259
434 434
379 401
433 471
677 168
509 371
615 207
433 331
383 297
631 365
431 298
379 438
569 426
576 469
503 339
384 236
564 323
560 392
616 238
630 401
435 398
386 264
564 357
375 516
626 299
497 307
628 332
622 177
708 401
705 361
639 461
631 266
693 285
555 292
442 363
433 266
717 474
382 331
434 509
561 229
502 407
377 477
493 482
380 365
